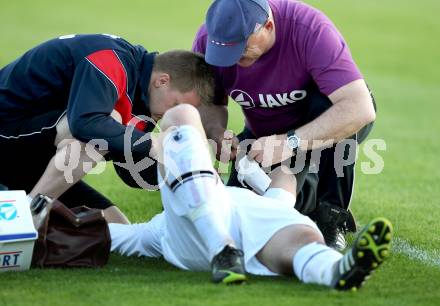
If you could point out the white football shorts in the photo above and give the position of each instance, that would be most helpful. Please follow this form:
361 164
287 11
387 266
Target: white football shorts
251 220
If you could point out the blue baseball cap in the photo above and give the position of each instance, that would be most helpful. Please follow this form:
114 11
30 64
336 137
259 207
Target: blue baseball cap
229 24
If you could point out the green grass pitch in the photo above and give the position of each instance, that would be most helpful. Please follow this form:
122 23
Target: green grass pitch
395 43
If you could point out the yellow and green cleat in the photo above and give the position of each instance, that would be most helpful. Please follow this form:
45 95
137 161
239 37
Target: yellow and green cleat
369 250
228 266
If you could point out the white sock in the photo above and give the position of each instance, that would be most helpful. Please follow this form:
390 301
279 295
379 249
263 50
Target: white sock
314 263
194 182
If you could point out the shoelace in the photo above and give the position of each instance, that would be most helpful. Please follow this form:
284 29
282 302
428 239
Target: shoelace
227 257
330 233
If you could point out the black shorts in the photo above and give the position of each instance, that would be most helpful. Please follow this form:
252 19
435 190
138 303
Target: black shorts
26 147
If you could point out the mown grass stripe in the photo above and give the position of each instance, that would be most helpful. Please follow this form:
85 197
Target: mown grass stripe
429 258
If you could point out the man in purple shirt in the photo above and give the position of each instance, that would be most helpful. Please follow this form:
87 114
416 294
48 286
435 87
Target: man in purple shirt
292 73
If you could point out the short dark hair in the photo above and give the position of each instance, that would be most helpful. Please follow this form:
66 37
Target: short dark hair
187 70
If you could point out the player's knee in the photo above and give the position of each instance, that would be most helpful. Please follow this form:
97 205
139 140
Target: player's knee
304 235
282 177
182 114
277 255
308 235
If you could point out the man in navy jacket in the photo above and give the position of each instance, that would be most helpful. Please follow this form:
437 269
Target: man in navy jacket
67 102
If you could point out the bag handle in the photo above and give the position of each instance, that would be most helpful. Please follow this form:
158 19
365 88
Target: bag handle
78 216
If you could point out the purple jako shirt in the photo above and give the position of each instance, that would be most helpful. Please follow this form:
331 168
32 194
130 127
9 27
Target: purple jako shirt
271 92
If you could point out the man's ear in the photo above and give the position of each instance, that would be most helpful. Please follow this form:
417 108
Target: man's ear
269 26
161 79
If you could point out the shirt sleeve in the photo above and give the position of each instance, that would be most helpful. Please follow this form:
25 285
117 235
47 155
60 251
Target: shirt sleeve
93 97
328 59
199 45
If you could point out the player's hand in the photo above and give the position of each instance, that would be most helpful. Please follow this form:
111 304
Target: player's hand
156 148
270 150
227 147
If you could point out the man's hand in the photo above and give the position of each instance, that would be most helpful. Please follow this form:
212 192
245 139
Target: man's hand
156 147
227 147
270 150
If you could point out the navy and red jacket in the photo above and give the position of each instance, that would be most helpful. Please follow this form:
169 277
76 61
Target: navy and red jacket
87 76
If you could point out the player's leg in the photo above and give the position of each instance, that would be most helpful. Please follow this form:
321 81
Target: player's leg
277 254
283 178
188 172
279 251
301 250
143 239
332 218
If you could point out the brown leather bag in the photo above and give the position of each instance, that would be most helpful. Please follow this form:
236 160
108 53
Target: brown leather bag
77 237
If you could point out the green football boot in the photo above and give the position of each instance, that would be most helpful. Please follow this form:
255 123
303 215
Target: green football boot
369 250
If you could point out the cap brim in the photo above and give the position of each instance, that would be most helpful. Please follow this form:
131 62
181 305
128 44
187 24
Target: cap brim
224 56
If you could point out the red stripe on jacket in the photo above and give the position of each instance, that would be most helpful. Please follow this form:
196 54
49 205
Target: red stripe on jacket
109 64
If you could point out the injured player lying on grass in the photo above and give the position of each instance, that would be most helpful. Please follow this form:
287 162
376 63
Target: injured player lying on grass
233 231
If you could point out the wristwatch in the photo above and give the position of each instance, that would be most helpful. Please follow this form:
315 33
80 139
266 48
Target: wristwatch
293 141
38 203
